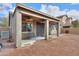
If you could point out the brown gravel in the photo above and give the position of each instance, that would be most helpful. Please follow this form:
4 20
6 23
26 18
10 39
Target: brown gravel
65 45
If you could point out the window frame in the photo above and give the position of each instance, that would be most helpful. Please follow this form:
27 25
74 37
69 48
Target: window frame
27 30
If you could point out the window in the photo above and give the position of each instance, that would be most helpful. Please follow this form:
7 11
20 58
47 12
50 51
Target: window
26 27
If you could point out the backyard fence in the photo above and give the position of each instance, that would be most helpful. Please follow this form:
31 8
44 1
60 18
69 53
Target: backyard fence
4 33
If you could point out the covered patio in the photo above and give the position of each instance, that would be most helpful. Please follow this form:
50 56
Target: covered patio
32 25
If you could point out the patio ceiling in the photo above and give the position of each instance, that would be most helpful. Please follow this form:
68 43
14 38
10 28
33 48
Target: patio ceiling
27 18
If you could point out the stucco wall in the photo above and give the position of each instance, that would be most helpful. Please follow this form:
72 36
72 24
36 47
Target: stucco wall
71 30
13 27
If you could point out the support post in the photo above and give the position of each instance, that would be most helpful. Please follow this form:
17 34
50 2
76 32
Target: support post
58 29
47 29
18 29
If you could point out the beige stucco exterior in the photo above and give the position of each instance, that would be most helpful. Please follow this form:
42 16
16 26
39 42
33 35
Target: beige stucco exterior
65 20
37 16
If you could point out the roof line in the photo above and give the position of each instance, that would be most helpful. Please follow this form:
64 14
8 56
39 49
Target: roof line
33 10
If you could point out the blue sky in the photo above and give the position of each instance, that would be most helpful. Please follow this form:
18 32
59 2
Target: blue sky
5 8
55 8
61 5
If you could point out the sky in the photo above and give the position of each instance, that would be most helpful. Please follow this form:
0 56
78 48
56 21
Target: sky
54 9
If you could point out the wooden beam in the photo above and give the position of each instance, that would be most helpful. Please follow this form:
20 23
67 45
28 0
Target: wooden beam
37 16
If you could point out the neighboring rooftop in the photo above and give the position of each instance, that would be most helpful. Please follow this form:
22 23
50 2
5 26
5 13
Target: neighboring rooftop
61 16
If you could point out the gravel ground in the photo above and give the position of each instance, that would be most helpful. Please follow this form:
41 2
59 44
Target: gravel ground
65 45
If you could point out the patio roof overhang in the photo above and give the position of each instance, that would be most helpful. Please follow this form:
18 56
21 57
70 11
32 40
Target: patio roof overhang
34 13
